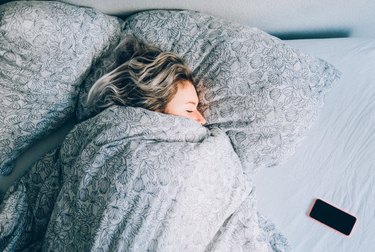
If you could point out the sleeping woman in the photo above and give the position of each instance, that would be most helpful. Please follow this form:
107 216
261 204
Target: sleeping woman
149 78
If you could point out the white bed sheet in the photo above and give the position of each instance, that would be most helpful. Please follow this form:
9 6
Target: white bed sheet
335 162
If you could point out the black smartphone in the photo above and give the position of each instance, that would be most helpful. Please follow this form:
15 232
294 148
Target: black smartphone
332 217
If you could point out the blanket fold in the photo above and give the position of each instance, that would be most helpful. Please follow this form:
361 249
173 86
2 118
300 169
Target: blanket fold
140 180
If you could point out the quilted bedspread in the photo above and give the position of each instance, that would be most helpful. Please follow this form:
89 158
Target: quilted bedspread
130 179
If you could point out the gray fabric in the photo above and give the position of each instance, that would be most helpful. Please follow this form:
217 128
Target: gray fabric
145 181
28 204
130 186
263 93
46 50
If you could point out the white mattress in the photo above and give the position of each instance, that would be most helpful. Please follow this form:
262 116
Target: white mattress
335 162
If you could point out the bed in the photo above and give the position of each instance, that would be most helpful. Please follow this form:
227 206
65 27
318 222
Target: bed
335 161
292 119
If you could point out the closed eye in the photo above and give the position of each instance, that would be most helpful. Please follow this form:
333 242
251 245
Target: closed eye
189 111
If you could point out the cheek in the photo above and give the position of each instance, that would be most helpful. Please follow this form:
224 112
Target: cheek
172 109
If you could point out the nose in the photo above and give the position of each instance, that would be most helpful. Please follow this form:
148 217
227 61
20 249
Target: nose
199 118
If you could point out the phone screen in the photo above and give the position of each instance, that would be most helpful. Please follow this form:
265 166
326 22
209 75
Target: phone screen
333 217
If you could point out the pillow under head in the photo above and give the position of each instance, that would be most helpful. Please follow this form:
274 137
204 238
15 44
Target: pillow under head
262 92
46 50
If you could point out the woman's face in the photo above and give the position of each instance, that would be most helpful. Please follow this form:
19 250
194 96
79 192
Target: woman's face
185 102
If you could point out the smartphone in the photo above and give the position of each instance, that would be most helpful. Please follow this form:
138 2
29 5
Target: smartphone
332 217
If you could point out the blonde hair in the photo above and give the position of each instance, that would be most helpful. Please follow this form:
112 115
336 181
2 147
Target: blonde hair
147 77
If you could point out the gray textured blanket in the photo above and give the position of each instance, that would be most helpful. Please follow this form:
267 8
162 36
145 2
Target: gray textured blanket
130 179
